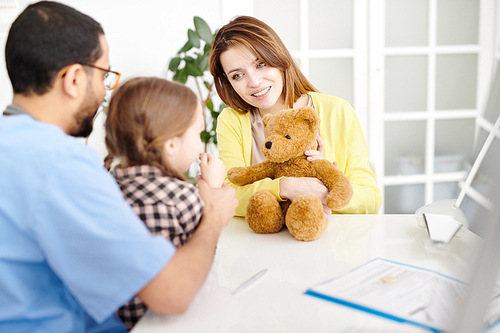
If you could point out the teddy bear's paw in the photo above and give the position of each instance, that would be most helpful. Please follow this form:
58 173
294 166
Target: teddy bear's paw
305 218
236 176
338 199
264 214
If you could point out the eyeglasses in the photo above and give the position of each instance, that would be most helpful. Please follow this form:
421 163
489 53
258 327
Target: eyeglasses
111 78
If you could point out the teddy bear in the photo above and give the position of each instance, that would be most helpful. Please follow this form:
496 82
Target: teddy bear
288 134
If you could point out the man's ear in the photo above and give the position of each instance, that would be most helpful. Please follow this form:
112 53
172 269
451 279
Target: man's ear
72 77
171 145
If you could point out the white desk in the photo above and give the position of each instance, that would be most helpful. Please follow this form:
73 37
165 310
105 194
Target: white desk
277 303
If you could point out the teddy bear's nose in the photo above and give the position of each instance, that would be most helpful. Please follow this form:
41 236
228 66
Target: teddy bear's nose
269 144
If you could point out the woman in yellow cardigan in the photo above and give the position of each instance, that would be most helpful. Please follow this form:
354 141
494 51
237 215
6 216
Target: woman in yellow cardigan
254 74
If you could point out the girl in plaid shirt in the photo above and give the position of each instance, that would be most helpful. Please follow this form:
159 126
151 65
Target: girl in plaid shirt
153 126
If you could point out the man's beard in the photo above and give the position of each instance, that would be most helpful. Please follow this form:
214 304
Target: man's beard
86 124
84 119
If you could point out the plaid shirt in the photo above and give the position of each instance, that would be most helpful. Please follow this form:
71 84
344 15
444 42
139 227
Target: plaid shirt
168 206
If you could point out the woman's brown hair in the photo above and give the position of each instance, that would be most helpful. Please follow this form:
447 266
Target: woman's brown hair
143 114
262 40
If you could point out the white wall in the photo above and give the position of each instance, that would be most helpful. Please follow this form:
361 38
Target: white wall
142 36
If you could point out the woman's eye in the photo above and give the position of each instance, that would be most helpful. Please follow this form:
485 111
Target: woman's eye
261 64
236 76
287 136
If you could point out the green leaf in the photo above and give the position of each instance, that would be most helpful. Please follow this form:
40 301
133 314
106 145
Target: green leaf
204 63
207 48
205 136
188 46
210 105
193 38
181 76
203 30
193 70
214 114
190 59
174 64
207 84
196 60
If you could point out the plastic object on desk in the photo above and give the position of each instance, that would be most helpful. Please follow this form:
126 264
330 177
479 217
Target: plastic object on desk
443 207
441 228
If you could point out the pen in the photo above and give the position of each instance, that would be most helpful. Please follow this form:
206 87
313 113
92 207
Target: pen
250 281
492 319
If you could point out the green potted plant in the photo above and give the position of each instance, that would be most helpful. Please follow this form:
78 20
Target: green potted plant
192 61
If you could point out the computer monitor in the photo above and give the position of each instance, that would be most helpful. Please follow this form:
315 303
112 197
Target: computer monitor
476 197
480 201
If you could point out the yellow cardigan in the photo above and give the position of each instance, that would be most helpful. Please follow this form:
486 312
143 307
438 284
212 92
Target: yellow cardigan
344 143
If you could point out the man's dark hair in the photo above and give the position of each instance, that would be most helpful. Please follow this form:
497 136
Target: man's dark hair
46 37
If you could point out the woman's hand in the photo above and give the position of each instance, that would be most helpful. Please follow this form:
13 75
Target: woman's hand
212 170
327 211
313 155
321 144
292 187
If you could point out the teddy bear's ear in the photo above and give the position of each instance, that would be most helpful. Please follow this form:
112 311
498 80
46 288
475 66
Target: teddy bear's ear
308 114
266 118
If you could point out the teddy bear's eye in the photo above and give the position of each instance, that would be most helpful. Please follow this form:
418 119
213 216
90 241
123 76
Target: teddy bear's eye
287 136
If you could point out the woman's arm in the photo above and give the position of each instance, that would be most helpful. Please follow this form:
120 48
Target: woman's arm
367 198
345 143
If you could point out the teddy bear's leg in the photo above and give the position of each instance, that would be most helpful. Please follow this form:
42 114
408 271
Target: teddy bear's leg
264 214
305 218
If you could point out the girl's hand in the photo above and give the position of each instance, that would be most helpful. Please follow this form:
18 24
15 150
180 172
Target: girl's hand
212 170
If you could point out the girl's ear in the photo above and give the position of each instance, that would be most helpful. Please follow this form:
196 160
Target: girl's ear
72 77
171 145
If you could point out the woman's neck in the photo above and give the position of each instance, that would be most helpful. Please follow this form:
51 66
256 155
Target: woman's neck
280 105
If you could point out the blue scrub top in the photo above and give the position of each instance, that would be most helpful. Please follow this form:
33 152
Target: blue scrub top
72 251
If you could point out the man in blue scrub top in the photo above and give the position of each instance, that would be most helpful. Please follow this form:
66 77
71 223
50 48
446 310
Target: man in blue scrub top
71 249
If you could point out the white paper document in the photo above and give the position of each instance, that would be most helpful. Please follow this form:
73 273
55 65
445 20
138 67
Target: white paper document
402 293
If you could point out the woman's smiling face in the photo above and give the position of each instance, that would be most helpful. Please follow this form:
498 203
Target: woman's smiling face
256 83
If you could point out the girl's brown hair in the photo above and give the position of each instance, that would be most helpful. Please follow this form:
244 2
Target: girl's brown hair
262 40
143 114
